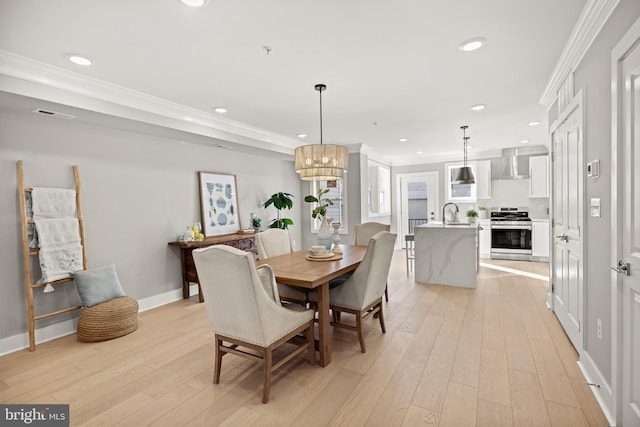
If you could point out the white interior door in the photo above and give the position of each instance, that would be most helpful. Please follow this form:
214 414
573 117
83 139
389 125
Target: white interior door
567 265
418 198
626 251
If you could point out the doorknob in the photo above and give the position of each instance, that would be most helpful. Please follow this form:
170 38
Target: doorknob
622 268
563 237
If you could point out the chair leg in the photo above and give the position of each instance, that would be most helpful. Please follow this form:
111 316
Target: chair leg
363 347
386 292
406 253
218 361
381 319
266 387
312 344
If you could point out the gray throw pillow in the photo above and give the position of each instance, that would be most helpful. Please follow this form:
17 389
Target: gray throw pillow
98 285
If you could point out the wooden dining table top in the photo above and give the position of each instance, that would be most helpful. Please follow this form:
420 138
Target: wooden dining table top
295 269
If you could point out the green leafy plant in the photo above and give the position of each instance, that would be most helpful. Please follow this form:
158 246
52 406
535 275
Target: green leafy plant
256 222
471 213
320 211
280 201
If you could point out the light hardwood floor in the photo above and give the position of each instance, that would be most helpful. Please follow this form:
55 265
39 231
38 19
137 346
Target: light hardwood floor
490 356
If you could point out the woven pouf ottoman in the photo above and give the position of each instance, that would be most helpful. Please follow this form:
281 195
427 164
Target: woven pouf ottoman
108 320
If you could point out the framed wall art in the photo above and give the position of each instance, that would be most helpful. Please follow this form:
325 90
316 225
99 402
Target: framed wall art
219 203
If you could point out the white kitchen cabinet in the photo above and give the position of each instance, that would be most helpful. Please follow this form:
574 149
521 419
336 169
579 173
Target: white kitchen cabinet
483 179
485 238
540 240
539 181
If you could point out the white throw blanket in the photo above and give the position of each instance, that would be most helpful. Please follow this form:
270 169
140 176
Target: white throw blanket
54 214
53 203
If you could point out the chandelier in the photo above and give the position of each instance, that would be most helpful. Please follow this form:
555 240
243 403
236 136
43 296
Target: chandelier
321 162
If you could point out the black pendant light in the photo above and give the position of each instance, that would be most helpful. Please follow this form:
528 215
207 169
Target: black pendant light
464 175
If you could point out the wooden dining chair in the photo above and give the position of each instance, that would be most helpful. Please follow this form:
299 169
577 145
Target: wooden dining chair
361 294
245 312
273 242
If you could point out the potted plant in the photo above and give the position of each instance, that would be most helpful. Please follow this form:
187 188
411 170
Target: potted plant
471 216
256 222
320 213
280 201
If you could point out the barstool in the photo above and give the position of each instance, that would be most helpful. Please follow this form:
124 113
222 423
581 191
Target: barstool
410 251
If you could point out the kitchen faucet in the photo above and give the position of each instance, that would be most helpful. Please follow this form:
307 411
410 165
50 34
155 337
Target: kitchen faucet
444 219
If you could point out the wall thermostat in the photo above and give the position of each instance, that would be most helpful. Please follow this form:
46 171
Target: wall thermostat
593 169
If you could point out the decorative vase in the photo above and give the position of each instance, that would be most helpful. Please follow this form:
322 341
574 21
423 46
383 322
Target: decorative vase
324 233
471 219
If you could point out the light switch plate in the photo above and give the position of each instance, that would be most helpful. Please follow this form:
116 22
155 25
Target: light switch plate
595 207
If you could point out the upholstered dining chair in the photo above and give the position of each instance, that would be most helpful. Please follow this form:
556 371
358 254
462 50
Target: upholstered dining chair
245 312
361 294
363 232
361 235
273 242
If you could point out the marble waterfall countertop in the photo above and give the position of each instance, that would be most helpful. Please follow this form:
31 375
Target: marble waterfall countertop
446 254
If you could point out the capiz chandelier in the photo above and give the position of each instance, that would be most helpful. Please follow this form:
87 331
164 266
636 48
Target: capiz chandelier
321 162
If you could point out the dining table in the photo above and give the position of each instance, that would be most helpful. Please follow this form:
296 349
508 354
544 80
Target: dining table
300 270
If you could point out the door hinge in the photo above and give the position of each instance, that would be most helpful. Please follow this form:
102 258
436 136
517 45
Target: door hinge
553 288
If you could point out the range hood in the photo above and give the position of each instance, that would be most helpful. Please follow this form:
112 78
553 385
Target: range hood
512 165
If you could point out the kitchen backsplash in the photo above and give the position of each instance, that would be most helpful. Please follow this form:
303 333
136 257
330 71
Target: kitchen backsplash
511 193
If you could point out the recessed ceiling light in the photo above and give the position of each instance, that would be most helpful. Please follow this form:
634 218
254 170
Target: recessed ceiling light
469 147
534 123
403 139
472 44
302 135
78 59
220 110
524 141
195 3
418 152
478 107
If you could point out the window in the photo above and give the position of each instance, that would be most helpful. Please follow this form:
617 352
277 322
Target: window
459 192
379 191
338 211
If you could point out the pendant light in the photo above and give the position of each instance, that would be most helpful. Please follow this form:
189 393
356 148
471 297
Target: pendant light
321 162
464 175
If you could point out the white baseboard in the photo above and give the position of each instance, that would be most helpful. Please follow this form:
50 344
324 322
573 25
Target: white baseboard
70 326
603 393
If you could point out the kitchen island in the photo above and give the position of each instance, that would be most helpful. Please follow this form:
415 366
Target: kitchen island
446 254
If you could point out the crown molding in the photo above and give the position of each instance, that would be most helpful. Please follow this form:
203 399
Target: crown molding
593 17
27 77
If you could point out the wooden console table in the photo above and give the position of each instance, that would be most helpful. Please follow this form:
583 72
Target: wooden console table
245 242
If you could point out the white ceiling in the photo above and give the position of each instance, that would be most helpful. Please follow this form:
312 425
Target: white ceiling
392 67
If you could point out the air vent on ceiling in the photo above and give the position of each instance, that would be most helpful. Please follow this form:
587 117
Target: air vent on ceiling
53 114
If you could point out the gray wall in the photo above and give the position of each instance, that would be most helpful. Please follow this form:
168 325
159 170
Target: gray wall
139 192
593 76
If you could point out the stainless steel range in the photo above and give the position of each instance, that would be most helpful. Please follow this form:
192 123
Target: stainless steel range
510 234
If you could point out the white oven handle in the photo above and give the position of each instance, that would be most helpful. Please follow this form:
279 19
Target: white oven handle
511 227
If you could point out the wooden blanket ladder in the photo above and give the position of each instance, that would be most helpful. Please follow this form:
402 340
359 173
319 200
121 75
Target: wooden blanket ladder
29 253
